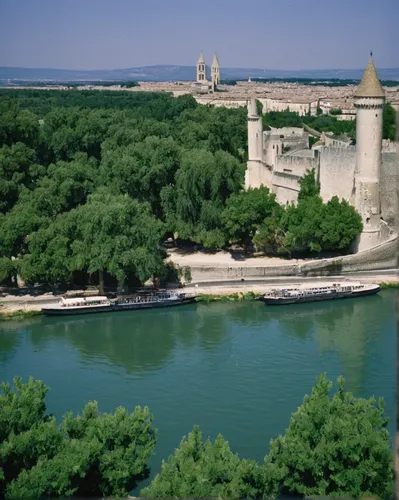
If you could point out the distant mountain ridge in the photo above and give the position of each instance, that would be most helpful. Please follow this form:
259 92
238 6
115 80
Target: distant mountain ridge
165 73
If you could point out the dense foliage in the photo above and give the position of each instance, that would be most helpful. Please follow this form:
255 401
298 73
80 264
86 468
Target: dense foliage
201 469
335 446
92 182
308 226
92 454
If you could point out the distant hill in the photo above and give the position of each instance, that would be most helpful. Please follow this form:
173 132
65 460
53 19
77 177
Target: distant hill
164 73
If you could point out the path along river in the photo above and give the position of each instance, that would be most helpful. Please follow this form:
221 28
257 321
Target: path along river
236 368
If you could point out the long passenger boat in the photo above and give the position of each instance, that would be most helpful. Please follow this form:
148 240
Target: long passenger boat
319 292
99 304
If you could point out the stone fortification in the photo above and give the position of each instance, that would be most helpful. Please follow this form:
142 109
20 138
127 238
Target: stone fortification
389 188
364 175
382 256
336 172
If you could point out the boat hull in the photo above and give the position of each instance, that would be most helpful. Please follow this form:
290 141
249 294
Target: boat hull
277 301
74 311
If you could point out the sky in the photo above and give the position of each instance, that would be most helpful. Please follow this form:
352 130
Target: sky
278 34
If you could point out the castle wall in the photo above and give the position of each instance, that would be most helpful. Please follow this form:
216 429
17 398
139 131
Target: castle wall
389 187
382 256
336 172
287 173
257 174
296 165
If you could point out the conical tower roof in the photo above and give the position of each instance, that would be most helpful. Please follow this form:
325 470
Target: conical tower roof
215 62
201 59
370 85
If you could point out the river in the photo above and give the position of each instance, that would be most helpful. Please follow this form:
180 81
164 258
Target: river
240 369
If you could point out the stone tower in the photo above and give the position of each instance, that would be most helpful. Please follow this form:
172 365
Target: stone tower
201 69
255 172
369 101
215 72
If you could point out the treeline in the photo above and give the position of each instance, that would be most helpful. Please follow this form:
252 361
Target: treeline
335 446
93 182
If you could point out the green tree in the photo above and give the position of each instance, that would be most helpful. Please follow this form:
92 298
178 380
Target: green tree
308 185
142 169
16 162
312 225
118 235
200 469
91 454
389 122
335 447
193 206
245 212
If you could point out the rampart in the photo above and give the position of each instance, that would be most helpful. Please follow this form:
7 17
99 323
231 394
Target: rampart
336 171
389 187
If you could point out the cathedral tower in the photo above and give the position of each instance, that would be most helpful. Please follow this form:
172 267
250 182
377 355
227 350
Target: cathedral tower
369 102
215 72
201 69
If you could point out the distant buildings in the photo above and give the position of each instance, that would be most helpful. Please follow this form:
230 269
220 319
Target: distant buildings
201 73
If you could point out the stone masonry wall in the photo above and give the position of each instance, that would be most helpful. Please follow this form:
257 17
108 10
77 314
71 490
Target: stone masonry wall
337 169
383 256
389 187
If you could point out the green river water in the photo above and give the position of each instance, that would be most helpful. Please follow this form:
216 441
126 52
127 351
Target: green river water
236 368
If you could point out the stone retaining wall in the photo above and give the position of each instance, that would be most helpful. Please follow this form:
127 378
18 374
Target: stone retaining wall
383 256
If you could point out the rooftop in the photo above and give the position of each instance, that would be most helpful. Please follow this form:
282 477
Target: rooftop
370 85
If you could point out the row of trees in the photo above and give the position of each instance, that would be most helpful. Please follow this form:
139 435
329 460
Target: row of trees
335 446
96 184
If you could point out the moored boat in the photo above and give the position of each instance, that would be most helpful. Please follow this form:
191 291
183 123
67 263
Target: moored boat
319 292
79 305
86 305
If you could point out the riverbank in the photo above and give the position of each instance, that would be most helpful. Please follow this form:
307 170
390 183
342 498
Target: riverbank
21 307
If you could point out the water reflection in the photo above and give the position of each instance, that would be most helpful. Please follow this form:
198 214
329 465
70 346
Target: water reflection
145 341
345 327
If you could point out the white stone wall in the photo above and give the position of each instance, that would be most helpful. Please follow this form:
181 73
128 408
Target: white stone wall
336 172
382 256
257 174
389 185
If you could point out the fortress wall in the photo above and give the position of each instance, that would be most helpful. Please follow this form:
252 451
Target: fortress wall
297 165
257 175
302 153
383 256
389 188
290 132
337 168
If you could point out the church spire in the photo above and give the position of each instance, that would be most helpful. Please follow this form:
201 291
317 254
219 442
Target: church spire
215 62
370 85
201 59
201 69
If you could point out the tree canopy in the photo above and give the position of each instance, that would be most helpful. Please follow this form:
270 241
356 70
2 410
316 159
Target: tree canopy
92 183
335 446
91 454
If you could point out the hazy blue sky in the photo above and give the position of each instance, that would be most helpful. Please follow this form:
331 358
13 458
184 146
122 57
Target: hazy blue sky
278 34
